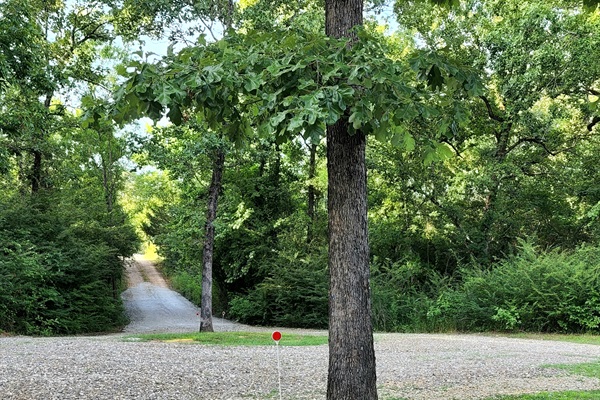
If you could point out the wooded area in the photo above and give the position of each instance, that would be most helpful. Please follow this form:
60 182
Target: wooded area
468 128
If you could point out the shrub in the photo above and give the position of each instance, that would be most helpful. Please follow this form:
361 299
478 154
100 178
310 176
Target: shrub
555 291
404 297
60 269
294 294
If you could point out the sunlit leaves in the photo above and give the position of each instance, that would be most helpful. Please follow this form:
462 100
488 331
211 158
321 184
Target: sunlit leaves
285 83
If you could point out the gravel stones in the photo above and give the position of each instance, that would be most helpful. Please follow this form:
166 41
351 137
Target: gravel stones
409 366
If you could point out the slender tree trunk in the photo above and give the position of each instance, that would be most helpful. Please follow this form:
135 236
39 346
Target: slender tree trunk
312 193
489 217
36 171
108 181
352 372
209 242
36 177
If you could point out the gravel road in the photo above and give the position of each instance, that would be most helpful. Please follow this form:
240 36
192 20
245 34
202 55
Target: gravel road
153 308
411 366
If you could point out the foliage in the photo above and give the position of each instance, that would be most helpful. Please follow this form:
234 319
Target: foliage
63 235
549 292
60 267
485 116
514 156
532 291
403 297
282 90
522 164
263 263
294 294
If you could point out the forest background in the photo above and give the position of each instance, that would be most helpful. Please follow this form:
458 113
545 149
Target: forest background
484 198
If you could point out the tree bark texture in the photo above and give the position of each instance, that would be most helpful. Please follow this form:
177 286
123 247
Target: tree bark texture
341 16
206 324
352 373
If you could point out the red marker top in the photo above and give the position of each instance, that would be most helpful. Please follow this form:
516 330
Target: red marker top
276 336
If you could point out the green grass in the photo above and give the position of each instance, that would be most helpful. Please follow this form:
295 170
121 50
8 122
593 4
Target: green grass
231 338
582 339
593 395
586 369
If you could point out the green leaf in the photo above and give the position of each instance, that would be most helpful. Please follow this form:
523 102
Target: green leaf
252 82
295 123
154 110
356 119
174 115
591 5
434 78
380 134
593 103
430 156
409 142
164 96
443 151
121 70
278 118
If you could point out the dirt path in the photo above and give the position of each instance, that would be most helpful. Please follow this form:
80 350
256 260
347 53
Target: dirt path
140 270
153 307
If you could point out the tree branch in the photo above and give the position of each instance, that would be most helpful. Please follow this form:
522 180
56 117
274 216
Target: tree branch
453 147
490 111
593 123
532 140
90 35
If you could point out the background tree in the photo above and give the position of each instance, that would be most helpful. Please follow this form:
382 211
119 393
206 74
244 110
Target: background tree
63 235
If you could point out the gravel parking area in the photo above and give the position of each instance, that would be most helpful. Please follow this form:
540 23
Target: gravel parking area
409 366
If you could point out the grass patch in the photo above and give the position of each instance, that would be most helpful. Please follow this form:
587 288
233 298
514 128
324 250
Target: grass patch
593 395
587 369
582 339
231 338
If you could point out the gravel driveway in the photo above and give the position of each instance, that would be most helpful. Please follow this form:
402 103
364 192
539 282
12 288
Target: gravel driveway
412 366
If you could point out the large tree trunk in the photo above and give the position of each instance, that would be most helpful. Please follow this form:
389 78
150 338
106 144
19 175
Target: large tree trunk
209 242
351 354
352 372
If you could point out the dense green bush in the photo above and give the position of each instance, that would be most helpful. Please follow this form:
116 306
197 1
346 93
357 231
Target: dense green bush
556 291
403 297
60 268
294 294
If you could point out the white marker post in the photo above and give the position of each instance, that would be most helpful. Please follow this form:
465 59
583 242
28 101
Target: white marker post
277 337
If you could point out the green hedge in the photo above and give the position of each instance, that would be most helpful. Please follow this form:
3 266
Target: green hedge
535 291
60 273
556 291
